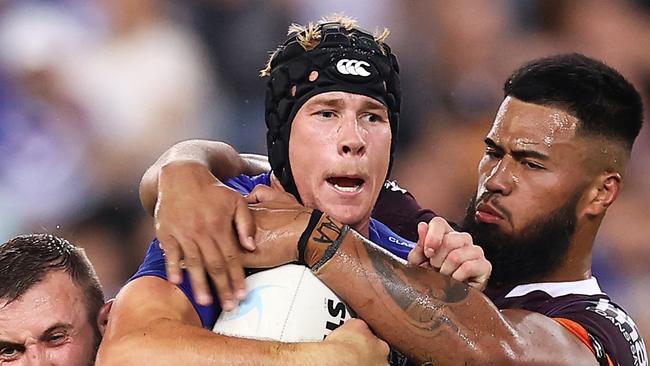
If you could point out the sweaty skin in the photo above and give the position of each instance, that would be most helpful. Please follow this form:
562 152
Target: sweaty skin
420 312
425 315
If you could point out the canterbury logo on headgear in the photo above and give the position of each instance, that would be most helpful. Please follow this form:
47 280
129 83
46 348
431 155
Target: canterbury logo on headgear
352 67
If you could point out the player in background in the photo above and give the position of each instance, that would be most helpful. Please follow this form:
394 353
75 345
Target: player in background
52 309
554 162
332 114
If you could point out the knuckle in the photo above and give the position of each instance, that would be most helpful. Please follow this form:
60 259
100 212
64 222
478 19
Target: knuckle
438 221
469 267
358 323
454 258
449 243
171 249
195 225
466 237
231 257
215 268
215 220
192 261
454 238
171 263
488 267
479 250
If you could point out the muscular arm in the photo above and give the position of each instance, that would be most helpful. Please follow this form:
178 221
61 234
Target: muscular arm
431 317
199 219
145 330
211 159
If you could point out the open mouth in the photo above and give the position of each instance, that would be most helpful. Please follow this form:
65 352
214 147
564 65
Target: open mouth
346 184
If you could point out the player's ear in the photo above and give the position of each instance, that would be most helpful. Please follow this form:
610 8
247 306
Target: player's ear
102 317
603 193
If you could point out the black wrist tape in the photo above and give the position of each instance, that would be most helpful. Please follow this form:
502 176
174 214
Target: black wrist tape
302 243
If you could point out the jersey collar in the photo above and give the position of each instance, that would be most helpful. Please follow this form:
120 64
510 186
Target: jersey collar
556 289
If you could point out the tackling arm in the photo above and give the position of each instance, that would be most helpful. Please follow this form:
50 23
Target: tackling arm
199 219
210 159
144 329
430 317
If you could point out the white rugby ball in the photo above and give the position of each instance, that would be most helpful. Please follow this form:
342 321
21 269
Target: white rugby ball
286 303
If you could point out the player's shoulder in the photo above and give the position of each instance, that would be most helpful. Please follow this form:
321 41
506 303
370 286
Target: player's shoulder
611 329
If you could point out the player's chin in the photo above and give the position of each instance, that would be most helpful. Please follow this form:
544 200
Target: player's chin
502 228
350 214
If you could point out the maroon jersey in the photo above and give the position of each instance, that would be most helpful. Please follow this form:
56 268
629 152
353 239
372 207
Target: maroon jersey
580 306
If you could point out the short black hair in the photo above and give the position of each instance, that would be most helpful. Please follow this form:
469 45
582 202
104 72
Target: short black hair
600 97
26 259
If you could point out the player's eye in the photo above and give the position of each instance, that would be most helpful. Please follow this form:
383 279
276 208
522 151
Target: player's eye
56 339
372 118
8 353
326 114
532 165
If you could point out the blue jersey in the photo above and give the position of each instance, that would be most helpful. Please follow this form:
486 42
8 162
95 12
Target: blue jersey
154 261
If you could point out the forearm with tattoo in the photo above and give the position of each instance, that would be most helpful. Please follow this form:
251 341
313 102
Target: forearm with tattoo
406 306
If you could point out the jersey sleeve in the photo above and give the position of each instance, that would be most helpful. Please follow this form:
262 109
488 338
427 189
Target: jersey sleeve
154 265
244 184
383 236
609 332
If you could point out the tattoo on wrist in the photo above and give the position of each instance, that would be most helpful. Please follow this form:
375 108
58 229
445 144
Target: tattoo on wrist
320 240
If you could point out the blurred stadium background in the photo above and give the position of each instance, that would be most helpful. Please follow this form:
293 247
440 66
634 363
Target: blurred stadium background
91 92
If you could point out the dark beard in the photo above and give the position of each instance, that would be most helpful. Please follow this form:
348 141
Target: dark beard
530 255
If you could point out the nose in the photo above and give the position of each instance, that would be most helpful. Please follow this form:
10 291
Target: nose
351 137
500 178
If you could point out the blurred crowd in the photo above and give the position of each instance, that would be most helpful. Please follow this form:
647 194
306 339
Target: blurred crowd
91 92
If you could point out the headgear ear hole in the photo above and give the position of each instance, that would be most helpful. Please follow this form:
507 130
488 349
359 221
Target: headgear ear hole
313 75
293 90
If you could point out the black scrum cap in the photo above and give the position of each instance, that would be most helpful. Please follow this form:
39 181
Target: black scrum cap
345 60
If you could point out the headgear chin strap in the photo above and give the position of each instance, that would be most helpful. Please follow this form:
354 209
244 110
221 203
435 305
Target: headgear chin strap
345 60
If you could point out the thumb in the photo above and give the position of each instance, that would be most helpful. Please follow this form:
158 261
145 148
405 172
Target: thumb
356 325
260 194
416 255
